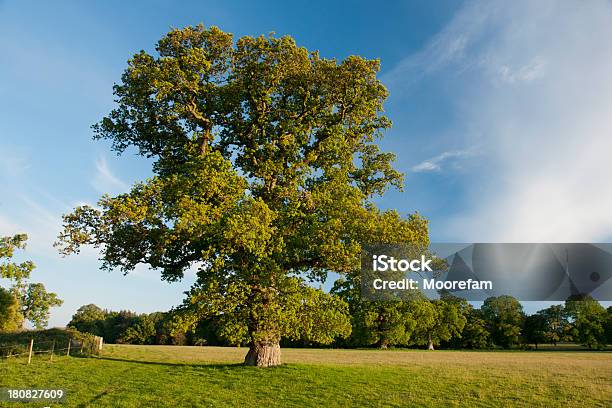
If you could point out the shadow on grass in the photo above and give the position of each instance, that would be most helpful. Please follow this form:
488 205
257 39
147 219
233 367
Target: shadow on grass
233 366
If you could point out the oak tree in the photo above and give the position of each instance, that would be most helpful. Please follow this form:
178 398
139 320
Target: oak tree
504 316
265 162
587 321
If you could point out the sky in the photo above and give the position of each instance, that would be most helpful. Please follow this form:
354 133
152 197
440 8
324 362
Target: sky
500 111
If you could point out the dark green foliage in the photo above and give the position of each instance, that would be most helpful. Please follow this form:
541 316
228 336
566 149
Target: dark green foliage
43 340
445 321
116 323
504 316
557 324
142 331
475 334
375 323
588 321
127 327
535 329
89 319
609 325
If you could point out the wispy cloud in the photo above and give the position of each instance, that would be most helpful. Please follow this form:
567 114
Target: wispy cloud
534 78
451 46
105 181
436 163
526 73
463 46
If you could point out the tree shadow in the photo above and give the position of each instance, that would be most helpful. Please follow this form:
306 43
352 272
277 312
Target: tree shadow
177 364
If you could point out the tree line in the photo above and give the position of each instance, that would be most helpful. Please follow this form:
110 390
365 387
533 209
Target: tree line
449 322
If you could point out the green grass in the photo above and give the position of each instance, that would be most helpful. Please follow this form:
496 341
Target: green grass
160 376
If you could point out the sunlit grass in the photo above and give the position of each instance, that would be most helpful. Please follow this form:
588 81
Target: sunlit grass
134 376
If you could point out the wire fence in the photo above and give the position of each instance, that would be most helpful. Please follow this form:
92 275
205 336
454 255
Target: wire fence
52 348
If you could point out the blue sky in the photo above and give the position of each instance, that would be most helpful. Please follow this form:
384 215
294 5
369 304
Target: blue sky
500 110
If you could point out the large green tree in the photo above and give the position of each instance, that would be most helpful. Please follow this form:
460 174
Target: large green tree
265 166
504 316
383 319
36 303
535 329
557 324
377 323
475 333
32 299
588 320
440 320
89 319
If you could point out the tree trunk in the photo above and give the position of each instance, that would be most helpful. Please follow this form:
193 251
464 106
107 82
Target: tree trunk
383 344
430 346
263 354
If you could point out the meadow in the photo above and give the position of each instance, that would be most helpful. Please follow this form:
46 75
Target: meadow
172 376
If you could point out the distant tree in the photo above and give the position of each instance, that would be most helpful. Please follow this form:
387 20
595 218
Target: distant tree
379 323
142 331
609 325
36 303
166 331
475 334
504 316
34 300
535 329
127 327
439 321
557 325
206 334
116 323
89 319
266 166
588 321
384 325
11 318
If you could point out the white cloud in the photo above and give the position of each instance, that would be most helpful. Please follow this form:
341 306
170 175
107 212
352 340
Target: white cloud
526 73
534 77
451 45
436 163
105 181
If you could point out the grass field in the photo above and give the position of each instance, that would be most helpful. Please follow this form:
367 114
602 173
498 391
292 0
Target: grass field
168 376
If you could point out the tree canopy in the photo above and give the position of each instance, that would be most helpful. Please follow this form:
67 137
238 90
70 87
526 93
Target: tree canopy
588 321
31 300
265 165
504 316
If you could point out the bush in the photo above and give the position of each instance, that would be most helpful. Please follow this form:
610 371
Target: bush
18 342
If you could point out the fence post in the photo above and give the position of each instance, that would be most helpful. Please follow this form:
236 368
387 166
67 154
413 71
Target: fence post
52 349
68 352
30 352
